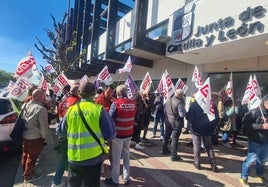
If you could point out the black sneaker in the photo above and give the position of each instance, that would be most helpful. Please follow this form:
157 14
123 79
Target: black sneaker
36 176
176 158
110 181
214 168
126 182
197 166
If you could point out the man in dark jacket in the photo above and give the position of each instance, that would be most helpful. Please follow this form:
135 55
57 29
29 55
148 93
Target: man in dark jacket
256 126
175 111
202 128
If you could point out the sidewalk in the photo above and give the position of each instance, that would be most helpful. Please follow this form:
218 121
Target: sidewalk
157 170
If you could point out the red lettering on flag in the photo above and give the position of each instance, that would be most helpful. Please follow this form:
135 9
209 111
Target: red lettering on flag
25 65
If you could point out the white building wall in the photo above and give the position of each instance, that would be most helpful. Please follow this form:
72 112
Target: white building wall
207 11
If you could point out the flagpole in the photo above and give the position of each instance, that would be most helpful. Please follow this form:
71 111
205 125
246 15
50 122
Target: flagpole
121 74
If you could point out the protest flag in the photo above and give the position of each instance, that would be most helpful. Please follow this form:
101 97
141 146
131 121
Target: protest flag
229 87
132 87
127 67
203 98
105 76
196 78
146 83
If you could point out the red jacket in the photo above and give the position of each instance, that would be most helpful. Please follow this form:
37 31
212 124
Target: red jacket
125 115
64 105
105 102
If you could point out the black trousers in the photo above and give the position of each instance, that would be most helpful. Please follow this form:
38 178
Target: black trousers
173 131
90 175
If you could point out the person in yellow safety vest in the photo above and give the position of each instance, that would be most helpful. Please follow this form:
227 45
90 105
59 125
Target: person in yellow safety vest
85 155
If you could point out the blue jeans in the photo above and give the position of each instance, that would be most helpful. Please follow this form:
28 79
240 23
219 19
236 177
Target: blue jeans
257 155
225 136
63 164
159 118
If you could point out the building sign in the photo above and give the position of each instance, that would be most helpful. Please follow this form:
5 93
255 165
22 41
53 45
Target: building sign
182 24
222 30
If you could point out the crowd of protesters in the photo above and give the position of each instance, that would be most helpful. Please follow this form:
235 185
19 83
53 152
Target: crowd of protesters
104 121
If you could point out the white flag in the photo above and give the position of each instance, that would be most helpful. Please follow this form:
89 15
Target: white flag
160 87
229 87
43 85
9 86
223 94
19 90
105 76
196 78
27 68
256 86
84 79
254 100
168 86
146 83
245 98
203 98
127 67
59 83
181 85
49 69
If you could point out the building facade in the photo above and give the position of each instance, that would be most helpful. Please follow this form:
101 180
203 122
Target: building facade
219 37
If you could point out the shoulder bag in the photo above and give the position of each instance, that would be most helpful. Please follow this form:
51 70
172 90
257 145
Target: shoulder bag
17 131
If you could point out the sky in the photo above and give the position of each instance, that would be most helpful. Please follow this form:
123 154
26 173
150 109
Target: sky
21 22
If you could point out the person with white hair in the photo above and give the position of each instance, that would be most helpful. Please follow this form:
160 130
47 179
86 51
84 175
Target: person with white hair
123 111
175 112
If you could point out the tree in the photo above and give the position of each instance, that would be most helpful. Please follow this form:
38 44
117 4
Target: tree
5 77
62 54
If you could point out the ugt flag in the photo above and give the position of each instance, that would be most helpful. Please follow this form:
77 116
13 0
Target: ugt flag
181 85
196 78
59 83
245 98
105 76
203 98
146 83
27 68
19 89
168 86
